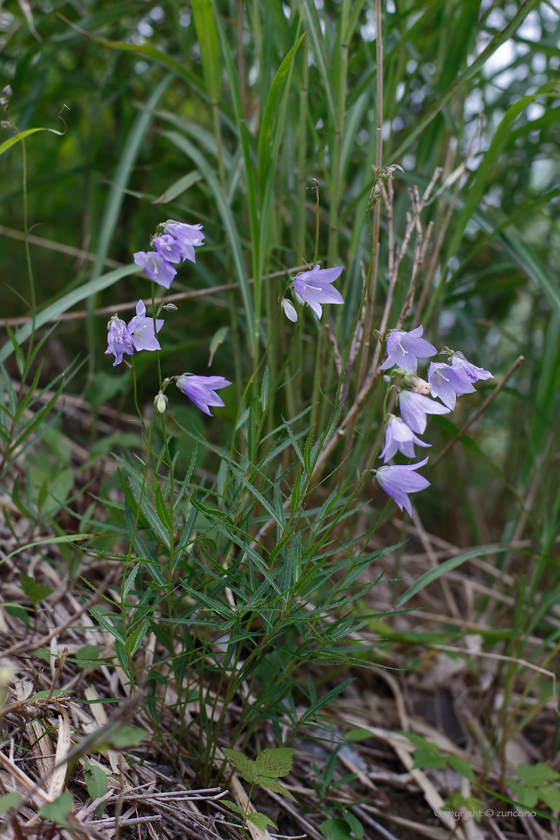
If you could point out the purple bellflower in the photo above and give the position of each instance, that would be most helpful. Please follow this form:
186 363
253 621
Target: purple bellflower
472 372
415 407
139 335
405 348
186 236
448 383
400 480
157 269
168 248
399 438
314 287
200 389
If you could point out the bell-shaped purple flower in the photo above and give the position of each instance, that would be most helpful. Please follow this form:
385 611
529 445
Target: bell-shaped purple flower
405 348
119 340
168 248
141 329
399 438
415 407
201 390
155 267
472 372
188 237
448 383
314 287
400 480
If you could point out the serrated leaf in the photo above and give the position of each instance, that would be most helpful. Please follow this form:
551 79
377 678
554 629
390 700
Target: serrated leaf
36 592
58 810
276 786
245 766
535 775
275 762
461 766
9 800
550 795
232 806
260 820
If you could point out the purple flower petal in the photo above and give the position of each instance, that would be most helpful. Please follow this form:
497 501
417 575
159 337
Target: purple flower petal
155 267
200 389
141 329
400 438
405 348
448 383
313 287
415 407
400 480
119 340
168 248
187 237
472 372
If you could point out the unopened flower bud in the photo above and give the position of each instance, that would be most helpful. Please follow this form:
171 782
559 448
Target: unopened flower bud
298 298
169 306
160 402
7 91
5 124
289 310
3 101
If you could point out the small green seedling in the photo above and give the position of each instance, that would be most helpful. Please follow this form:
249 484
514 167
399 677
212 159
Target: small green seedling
534 784
263 771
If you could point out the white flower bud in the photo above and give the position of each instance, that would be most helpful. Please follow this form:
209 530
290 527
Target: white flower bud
160 402
169 306
289 310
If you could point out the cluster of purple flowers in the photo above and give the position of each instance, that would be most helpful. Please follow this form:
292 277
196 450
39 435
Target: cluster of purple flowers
445 382
175 243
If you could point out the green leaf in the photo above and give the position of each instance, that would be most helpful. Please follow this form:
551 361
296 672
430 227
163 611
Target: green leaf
179 187
58 810
245 766
550 795
36 592
233 806
461 766
355 824
357 735
427 758
218 338
260 820
208 40
276 786
124 736
87 655
535 775
526 796
447 566
8 801
97 785
335 829
275 762
7 144
161 507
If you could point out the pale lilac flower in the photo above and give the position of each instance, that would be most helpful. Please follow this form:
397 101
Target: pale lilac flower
289 310
414 408
155 267
399 438
141 329
472 372
118 339
400 480
200 389
314 287
448 383
138 335
405 348
187 236
168 248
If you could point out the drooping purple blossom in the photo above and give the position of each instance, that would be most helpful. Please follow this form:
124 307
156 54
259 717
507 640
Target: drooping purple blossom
399 438
168 248
472 372
314 287
201 390
405 348
399 480
157 269
448 383
188 237
415 407
119 340
138 335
